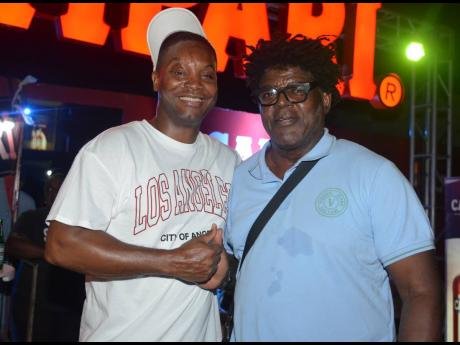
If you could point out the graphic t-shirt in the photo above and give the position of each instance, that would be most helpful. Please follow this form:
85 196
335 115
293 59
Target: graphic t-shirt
147 189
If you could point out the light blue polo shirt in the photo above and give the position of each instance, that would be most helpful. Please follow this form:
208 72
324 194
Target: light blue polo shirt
317 270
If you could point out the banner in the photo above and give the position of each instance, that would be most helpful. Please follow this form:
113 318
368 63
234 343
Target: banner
452 230
9 133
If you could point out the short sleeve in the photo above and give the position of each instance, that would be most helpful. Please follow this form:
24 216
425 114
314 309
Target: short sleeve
228 225
400 225
87 196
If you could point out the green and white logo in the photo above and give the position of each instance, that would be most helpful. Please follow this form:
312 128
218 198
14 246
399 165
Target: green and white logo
332 202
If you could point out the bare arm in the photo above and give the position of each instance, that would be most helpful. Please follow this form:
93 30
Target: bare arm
20 247
99 254
418 283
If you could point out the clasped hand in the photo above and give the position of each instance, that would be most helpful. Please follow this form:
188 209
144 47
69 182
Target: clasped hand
198 259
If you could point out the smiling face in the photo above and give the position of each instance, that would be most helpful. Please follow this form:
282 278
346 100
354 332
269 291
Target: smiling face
293 127
186 82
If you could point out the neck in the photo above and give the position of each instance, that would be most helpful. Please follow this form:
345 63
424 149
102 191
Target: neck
186 135
279 160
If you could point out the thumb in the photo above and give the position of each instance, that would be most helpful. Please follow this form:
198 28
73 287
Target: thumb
210 235
218 236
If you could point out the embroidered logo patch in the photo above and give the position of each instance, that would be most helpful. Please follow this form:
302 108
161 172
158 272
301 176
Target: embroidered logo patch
332 202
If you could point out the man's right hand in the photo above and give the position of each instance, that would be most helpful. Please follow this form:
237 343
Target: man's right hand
196 260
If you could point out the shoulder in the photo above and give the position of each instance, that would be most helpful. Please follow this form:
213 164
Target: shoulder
111 144
344 146
364 164
220 147
356 156
250 166
116 135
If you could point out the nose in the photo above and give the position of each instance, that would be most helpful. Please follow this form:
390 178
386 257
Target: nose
193 82
283 99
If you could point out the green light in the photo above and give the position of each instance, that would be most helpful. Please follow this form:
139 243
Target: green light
415 51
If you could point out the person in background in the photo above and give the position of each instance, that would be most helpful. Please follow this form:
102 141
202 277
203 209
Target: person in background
320 269
7 269
141 210
26 202
59 293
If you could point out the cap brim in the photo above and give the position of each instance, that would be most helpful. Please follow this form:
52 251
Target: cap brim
168 22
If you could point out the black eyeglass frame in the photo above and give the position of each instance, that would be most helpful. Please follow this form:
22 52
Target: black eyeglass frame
307 87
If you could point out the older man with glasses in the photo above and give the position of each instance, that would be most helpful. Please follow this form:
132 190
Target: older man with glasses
321 260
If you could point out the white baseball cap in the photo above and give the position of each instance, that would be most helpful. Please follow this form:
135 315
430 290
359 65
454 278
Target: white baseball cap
167 22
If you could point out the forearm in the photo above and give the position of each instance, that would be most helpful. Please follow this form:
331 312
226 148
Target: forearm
99 254
421 319
20 247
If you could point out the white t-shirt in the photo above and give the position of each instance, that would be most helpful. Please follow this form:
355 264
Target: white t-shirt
147 189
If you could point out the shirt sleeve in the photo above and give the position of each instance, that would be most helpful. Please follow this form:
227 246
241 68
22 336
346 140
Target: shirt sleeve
88 195
400 225
228 241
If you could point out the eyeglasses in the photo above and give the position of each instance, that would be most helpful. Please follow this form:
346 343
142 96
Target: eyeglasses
294 93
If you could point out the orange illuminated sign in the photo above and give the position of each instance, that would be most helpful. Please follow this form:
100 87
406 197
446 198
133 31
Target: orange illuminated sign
19 15
84 22
362 83
330 22
223 21
133 37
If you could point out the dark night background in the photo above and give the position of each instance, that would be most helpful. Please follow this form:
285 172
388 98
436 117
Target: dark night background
39 51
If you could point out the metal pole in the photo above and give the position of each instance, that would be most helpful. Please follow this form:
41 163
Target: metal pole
433 147
17 175
412 127
426 138
449 119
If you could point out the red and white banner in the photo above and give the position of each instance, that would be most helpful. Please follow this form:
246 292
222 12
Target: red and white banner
452 210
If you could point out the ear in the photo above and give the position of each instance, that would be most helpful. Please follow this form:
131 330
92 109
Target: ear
326 99
155 81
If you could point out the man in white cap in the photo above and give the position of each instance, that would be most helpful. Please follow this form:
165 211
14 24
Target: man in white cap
141 210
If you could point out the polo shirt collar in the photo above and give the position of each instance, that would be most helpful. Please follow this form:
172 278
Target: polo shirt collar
260 171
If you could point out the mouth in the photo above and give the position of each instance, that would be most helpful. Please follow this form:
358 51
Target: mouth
194 100
285 120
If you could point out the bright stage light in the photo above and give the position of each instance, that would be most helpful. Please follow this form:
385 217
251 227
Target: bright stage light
415 51
27 116
49 172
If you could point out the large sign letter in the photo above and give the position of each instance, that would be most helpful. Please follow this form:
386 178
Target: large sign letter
19 15
85 22
134 36
362 82
302 21
226 19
